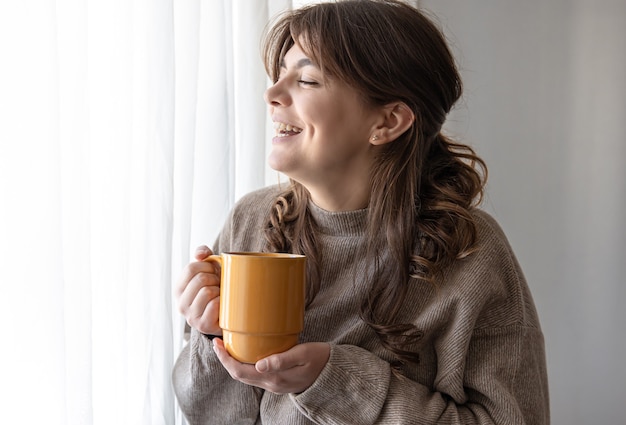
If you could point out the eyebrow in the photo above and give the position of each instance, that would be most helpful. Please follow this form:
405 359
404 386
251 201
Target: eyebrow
300 64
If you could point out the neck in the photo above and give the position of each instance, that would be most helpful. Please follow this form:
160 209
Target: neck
348 190
338 198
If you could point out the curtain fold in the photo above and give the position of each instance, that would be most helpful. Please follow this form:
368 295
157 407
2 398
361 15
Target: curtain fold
128 131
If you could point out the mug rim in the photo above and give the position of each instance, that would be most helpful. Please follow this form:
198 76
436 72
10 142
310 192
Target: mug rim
252 254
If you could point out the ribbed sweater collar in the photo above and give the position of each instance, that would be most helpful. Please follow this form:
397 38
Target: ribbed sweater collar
344 223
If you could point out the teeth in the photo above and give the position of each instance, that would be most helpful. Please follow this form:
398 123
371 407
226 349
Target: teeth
282 128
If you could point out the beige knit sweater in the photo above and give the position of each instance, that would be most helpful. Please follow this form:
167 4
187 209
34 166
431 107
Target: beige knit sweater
482 356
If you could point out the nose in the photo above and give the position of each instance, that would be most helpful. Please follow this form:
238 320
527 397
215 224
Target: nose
276 95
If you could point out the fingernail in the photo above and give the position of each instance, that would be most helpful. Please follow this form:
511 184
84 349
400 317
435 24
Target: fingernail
262 366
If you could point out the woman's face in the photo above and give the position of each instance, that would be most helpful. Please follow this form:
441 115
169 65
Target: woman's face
322 127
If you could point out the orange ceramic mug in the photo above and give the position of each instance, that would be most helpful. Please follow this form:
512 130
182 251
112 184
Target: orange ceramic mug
261 302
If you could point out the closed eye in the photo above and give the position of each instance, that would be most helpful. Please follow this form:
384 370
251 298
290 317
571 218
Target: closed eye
308 83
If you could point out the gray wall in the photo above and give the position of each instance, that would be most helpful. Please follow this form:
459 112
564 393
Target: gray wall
545 105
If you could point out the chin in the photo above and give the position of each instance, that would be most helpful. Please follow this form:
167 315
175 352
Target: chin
277 165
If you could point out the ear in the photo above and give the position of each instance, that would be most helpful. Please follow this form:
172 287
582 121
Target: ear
396 118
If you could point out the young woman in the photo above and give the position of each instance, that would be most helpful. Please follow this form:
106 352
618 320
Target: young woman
417 310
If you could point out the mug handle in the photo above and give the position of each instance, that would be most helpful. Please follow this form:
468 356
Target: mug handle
215 258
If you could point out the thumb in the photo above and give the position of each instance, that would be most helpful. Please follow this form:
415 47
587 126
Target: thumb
278 362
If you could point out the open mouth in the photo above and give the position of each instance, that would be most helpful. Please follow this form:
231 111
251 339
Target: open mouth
284 130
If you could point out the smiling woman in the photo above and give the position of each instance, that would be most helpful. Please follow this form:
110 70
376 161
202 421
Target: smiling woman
417 309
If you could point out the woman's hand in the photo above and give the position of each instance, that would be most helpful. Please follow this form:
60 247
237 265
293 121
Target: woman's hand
198 293
293 371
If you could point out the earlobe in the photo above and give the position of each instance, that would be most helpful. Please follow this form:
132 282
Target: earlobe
398 118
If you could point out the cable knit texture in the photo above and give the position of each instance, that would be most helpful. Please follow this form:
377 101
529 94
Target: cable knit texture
482 355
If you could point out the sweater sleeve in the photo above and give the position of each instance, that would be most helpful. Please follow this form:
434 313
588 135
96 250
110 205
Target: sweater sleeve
358 387
205 391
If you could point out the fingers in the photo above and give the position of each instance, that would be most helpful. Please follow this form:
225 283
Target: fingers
199 300
203 306
195 277
298 356
292 371
280 362
197 292
202 252
237 370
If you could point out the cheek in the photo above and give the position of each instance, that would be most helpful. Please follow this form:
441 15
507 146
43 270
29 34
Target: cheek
329 119
339 116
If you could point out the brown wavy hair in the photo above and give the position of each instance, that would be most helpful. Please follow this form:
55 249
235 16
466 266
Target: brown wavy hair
423 185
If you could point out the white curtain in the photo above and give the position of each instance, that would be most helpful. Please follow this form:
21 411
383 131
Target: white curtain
127 131
545 105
